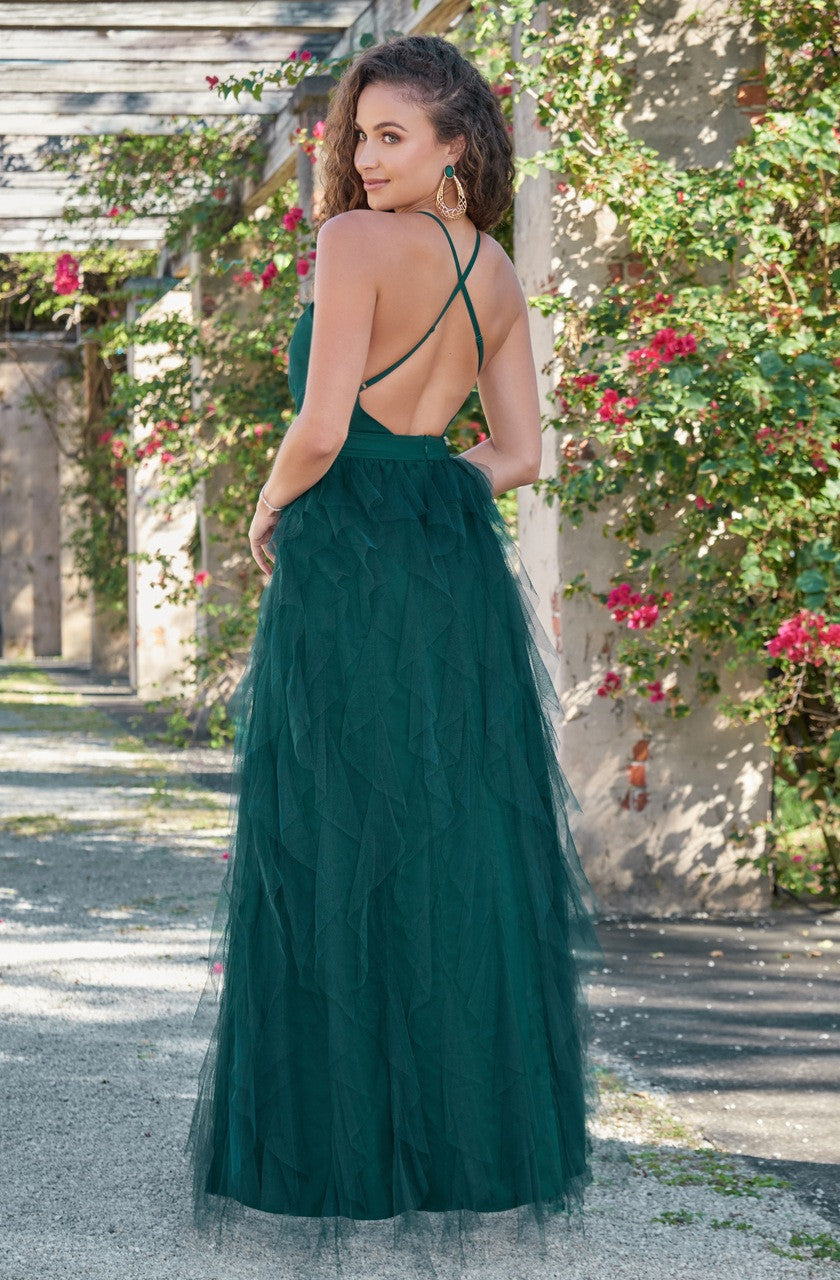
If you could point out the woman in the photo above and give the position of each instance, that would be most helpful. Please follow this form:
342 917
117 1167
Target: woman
402 1035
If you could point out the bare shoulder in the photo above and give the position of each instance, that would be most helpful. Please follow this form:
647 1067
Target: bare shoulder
352 230
507 278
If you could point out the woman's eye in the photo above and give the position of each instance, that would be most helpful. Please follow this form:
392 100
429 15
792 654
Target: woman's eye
360 135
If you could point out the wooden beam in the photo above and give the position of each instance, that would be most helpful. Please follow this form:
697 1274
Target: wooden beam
22 75
84 125
32 235
22 203
204 103
258 48
159 14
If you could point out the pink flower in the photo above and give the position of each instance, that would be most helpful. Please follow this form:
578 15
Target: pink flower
225 855
663 346
268 274
212 81
305 55
166 456
620 599
612 684
105 437
656 694
643 618
261 428
244 277
302 266
292 217
318 129
201 577
640 612
217 967
801 638
585 379
66 274
798 857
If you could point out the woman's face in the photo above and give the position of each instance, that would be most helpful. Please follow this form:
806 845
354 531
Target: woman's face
395 143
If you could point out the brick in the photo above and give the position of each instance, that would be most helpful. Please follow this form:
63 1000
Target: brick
751 93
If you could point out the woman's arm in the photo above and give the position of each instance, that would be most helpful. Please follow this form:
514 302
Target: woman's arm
509 396
345 298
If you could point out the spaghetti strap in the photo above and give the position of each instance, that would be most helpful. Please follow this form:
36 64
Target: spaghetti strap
460 286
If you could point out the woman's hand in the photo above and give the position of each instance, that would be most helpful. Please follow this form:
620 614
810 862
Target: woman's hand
262 527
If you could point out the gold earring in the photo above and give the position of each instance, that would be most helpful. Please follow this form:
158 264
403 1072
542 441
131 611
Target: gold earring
458 210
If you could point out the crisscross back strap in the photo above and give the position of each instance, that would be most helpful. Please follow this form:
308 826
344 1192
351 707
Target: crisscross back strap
460 286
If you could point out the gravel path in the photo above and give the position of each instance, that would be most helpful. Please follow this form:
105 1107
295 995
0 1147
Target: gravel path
111 852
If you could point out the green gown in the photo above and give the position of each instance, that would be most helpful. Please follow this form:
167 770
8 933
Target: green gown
402 1030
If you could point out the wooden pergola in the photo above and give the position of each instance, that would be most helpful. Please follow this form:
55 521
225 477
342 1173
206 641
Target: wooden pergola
73 68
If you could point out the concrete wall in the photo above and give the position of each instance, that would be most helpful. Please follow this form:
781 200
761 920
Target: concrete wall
37 579
663 801
162 634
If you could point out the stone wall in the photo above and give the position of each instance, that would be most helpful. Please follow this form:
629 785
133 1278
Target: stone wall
40 600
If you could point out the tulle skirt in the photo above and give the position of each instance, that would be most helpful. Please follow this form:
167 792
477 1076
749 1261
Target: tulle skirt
402 1033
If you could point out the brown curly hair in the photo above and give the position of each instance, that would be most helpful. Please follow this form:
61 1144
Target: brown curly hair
458 101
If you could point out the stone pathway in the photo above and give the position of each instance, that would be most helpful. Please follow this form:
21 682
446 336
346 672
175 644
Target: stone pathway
111 854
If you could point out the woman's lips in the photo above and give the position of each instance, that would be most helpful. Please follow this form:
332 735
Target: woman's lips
378 182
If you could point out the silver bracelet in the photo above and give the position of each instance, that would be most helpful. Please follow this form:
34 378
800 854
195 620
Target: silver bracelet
266 501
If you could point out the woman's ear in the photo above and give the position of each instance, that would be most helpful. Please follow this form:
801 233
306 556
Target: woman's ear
457 147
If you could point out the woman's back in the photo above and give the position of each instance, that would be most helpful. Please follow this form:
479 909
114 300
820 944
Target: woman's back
416 274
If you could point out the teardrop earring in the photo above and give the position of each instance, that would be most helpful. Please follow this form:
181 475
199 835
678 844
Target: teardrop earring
458 210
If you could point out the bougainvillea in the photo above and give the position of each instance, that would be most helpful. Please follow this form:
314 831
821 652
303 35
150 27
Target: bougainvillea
696 399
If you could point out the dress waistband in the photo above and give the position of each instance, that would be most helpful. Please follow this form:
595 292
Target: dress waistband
364 443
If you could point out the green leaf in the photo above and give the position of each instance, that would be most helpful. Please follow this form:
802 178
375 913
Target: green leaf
679 375
769 363
812 583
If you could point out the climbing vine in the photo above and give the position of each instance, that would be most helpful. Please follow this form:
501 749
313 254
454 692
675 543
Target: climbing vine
696 400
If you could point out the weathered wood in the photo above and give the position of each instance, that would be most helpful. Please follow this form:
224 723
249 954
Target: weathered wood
30 235
56 125
47 195
32 202
259 48
136 67
158 14
39 75
183 103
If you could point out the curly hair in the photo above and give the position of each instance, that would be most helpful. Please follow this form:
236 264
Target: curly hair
458 101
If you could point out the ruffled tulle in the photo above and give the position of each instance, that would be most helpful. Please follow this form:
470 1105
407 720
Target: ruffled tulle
400 1055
